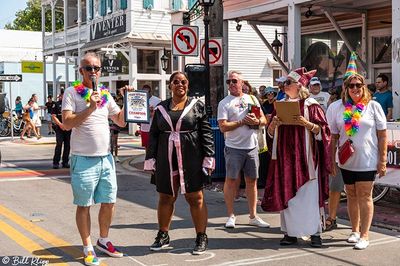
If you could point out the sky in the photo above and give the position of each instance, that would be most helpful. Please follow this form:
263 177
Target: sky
8 10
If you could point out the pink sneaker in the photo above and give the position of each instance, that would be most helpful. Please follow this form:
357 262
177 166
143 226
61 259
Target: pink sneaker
109 249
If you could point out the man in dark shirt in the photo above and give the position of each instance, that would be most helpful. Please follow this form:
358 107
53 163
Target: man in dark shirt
62 135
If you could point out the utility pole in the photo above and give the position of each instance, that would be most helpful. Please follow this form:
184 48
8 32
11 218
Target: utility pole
216 72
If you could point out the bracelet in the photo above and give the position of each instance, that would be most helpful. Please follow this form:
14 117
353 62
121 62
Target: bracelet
313 127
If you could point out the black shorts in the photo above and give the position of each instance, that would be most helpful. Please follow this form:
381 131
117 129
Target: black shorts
351 177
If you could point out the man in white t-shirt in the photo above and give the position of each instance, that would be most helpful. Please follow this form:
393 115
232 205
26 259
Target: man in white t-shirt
320 96
241 147
145 128
93 178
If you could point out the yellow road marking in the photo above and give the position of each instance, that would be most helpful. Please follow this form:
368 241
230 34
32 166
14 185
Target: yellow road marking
43 234
29 245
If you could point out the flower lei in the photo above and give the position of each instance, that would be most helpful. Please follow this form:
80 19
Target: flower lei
352 118
85 92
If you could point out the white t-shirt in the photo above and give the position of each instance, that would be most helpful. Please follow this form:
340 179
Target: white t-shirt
322 98
92 137
366 155
153 101
233 108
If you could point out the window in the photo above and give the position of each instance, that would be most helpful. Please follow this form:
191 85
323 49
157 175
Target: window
191 3
276 73
176 4
124 4
154 84
382 49
148 4
90 9
109 6
148 62
103 7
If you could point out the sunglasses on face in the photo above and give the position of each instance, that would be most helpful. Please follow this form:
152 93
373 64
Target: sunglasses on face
177 82
353 85
288 82
92 68
229 81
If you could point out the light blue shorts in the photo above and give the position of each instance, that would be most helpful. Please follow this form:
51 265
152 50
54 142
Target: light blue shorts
93 179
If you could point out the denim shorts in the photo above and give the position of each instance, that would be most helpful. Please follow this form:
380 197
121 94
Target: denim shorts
238 159
93 179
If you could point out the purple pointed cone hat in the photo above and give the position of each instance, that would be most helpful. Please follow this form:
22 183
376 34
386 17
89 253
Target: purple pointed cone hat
352 66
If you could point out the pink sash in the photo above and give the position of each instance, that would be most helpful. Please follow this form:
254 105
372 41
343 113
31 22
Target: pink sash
174 139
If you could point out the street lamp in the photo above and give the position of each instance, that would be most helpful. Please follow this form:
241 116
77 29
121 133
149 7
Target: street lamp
276 44
164 61
206 4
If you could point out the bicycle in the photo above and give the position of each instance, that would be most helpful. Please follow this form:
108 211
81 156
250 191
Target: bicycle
5 124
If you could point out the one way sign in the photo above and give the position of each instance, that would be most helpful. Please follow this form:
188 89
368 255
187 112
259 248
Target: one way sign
11 77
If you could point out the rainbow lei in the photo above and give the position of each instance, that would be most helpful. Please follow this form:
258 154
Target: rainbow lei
352 118
85 92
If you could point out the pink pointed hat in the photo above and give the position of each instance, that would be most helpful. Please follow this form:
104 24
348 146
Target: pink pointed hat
301 75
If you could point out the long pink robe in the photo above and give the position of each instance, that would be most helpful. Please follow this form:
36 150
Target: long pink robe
289 171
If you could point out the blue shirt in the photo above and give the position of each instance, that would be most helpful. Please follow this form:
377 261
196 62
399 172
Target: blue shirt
281 95
385 99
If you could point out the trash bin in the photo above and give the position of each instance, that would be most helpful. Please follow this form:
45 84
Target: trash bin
219 144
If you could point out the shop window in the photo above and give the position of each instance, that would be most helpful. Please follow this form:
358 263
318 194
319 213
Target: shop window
382 49
191 3
154 84
109 6
103 7
148 4
148 62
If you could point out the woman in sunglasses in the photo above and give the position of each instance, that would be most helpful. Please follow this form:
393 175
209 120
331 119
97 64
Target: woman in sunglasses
180 156
297 184
359 119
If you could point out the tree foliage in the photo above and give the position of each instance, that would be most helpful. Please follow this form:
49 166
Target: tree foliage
30 19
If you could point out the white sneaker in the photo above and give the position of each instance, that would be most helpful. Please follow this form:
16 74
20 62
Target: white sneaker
354 237
362 244
117 160
230 223
257 221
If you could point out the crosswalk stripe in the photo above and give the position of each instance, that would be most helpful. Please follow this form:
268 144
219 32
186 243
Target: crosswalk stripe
53 240
30 245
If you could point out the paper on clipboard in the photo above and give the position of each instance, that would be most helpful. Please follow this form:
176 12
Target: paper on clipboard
285 111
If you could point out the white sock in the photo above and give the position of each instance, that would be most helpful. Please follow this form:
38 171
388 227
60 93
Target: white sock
104 240
88 248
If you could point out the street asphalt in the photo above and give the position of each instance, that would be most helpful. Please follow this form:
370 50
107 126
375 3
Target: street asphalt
37 220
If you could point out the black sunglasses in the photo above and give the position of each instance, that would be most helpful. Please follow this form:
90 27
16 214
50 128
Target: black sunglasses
234 81
177 82
288 82
92 68
353 85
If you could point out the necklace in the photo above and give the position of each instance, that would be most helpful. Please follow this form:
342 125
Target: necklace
85 92
352 117
176 106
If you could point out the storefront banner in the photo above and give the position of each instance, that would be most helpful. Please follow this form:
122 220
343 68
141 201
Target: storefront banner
108 27
137 109
112 66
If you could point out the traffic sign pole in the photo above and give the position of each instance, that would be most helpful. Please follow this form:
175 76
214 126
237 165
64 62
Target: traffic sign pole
11 114
207 61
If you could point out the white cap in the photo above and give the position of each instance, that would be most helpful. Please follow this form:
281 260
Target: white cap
281 79
315 80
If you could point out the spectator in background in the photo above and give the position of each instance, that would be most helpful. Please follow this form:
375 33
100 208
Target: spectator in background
36 115
268 105
383 95
49 107
18 106
145 128
29 125
320 96
261 93
63 136
246 88
281 93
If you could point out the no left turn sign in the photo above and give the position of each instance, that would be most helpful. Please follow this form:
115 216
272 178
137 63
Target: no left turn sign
214 49
185 40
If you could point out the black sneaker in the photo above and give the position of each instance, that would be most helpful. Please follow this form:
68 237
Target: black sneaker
56 166
288 240
316 241
66 165
201 244
162 241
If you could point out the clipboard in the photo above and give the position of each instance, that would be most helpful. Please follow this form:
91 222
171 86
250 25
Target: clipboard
285 111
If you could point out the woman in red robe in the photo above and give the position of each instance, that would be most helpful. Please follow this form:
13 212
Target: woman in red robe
297 183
